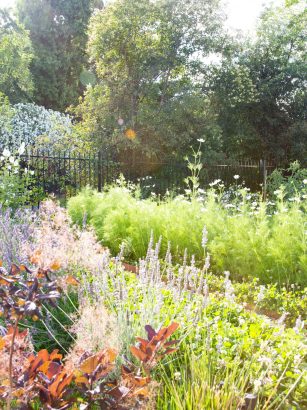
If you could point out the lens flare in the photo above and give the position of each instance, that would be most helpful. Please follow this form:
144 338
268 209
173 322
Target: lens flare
130 134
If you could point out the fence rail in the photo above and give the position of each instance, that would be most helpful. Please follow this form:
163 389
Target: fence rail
65 173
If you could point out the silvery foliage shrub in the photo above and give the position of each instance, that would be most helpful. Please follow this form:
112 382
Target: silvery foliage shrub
33 125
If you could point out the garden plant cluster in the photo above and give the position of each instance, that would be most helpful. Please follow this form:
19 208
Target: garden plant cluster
185 289
79 304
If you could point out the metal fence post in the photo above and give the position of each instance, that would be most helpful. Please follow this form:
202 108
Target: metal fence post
99 168
264 172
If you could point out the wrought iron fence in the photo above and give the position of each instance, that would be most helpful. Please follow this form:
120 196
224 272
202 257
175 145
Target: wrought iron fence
65 173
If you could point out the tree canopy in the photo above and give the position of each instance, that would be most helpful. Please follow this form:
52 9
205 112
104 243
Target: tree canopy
148 56
58 32
260 91
15 59
150 77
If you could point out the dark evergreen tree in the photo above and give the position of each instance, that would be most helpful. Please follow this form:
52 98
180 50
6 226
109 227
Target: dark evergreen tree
15 59
58 31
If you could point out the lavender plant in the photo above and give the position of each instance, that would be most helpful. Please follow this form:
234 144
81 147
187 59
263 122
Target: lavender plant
16 229
226 347
250 353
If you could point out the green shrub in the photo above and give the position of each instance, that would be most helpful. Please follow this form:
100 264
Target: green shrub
292 180
18 186
245 235
82 206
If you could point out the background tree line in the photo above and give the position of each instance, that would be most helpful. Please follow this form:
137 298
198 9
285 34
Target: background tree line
149 78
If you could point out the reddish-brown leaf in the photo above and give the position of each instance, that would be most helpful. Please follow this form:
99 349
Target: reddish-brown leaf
142 391
143 342
5 280
171 343
82 380
70 280
18 335
50 369
14 269
53 388
141 381
55 355
169 351
138 354
65 382
150 332
166 332
105 357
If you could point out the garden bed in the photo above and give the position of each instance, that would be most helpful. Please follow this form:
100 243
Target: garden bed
226 354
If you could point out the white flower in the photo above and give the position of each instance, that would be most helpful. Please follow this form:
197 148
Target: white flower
241 321
177 375
261 294
201 140
299 325
236 176
297 359
6 153
265 360
120 121
215 182
304 181
21 149
257 385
